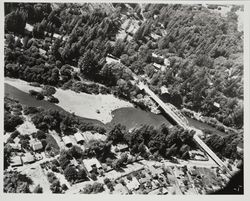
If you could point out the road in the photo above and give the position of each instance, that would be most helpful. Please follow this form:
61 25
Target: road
211 153
182 121
168 108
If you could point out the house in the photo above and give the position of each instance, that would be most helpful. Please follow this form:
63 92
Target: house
155 171
157 56
159 67
42 51
216 104
197 155
166 62
133 184
155 36
37 145
159 171
79 138
74 162
120 189
87 135
28 158
16 161
143 180
91 163
164 90
15 146
110 60
122 147
67 141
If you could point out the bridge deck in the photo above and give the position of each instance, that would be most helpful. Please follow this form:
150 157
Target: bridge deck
182 121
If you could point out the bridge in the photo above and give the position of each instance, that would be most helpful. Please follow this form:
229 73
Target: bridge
182 121
168 108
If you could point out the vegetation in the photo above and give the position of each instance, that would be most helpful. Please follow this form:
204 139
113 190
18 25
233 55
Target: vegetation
15 182
94 188
211 50
225 146
11 121
199 55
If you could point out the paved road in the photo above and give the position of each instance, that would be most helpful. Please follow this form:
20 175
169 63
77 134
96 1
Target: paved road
182 121
169 109
211 153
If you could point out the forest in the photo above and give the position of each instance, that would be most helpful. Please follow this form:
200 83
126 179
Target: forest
198 44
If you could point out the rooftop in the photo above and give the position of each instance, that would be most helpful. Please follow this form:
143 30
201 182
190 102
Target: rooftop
134 184
164 90
78 137
216 104
16 161
159 191
120 189
66 140
89 163
28 158
37 145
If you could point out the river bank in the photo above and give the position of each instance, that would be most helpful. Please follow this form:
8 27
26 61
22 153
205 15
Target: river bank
112 110
91 106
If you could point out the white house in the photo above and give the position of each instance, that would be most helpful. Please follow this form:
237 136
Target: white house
36 146
28 158
79 137
164 90
133 185
91 163
67 141
16 161
216 104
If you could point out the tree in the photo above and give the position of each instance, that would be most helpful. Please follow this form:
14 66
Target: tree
38 189
40 135
7 154
10 41
70 173
88 189
55 187
76 152
124 158
97 187
11 122
116 135
64 159
117 164
15 21
88 65
15 182
64 187
48 90
82 174
118 48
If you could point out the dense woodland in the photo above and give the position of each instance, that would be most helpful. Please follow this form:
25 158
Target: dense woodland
205 51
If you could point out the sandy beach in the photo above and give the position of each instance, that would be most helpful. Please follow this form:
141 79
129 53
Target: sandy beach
82 104
21 84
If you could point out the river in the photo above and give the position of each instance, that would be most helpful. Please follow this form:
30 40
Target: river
128 116
25 99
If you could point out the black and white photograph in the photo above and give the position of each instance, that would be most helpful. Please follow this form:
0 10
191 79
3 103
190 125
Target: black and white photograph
123 98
